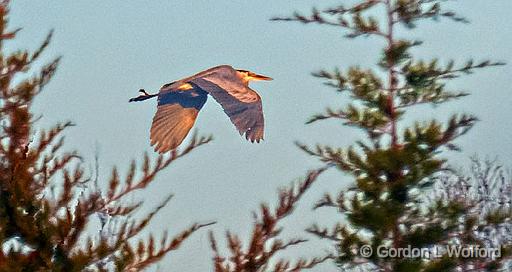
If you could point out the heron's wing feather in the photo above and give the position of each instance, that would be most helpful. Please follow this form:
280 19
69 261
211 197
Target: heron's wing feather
175 116
246 116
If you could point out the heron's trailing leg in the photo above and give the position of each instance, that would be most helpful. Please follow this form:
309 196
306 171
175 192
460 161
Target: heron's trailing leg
143 96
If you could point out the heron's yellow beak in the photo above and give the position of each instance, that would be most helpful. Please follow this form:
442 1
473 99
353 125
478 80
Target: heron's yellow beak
256 77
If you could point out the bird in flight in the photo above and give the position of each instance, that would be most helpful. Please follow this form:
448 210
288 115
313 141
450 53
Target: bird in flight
179 103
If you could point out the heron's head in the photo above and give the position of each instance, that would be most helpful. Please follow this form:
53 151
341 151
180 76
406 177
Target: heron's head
247 76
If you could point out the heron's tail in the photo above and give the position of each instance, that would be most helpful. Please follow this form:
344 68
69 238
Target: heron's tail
144 95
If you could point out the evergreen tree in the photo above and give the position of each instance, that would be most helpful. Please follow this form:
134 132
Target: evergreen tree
48 204
393 168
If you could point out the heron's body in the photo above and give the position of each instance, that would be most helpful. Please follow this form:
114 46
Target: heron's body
179 103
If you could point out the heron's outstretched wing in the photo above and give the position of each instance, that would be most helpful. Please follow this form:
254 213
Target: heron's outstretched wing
175 116
240 103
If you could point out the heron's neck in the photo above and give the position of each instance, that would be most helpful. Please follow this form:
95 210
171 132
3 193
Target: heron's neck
244 78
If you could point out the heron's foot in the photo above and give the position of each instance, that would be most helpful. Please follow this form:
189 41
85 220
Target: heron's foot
143 96
143 92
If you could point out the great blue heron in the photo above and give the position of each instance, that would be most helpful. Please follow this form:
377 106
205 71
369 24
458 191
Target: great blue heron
180 101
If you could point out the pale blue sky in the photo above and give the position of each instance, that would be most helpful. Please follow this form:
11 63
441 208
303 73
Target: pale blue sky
112 48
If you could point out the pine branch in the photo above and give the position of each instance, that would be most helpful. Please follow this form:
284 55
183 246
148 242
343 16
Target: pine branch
329 113
324 233
411 11
357 25
332 157
265 242
116 193
284 266
42 47
356 8
146 254
334 79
